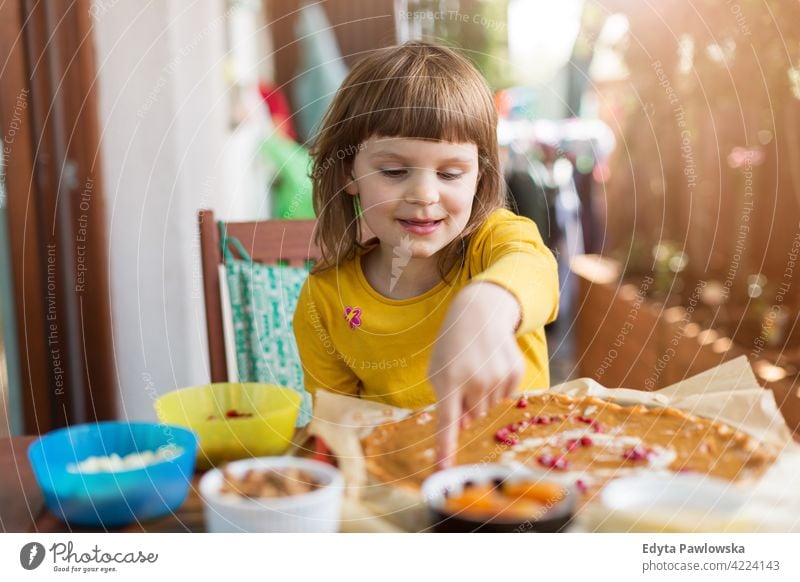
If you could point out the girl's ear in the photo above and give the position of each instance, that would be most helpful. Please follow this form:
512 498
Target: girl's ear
351 186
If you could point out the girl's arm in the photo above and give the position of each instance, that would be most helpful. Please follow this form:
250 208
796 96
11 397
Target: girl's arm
323 366
476 360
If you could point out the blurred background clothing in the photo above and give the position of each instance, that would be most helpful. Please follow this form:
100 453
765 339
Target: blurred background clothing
320 69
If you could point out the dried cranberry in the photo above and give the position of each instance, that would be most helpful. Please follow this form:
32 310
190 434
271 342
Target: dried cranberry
552 462
637 453
504 436
236 414
545 460
586 441
522 402
560 463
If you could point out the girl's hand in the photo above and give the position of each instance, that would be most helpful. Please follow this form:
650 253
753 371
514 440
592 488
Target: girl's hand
476 361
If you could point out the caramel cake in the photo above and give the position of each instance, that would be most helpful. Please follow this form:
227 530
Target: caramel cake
556 432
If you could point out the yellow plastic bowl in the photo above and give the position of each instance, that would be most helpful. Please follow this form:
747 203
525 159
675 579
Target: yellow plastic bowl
205 409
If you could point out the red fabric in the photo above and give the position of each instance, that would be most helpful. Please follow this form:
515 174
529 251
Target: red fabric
279 109
323 453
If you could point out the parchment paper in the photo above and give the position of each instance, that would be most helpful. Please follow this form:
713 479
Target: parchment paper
728 393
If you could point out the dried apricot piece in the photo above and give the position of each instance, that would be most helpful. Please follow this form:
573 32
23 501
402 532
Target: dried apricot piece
544 492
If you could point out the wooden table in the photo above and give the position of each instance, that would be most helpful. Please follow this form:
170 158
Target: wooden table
22 506
20 499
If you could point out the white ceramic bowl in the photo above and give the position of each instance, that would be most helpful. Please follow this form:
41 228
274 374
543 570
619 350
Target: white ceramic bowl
672 503
318 511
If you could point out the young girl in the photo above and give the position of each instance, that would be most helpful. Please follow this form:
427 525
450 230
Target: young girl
447 303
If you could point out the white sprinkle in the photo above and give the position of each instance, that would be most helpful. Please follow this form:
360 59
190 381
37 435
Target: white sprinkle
661 458
114 462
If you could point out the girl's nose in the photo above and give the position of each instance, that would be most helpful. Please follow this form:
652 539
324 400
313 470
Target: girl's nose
423 189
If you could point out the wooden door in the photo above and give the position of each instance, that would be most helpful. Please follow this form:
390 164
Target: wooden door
56 216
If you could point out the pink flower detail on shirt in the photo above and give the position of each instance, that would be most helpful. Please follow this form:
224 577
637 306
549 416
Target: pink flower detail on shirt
353 316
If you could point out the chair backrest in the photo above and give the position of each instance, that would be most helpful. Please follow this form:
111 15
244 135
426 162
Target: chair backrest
271 242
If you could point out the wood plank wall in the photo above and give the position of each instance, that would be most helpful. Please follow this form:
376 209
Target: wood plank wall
671 175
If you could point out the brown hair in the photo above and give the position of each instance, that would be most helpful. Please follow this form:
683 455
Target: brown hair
415 90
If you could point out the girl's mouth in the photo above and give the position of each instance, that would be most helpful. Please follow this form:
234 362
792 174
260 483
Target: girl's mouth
420 226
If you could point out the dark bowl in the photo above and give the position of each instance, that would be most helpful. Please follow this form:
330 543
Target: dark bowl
452 481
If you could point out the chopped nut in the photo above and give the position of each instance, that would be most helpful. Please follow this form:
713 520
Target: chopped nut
269 483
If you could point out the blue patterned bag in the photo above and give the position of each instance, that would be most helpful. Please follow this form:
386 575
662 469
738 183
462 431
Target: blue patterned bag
263 299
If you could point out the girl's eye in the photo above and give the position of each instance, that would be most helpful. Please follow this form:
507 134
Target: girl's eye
449 175
394 173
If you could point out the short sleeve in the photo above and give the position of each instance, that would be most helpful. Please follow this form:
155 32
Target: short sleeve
323 367
509 252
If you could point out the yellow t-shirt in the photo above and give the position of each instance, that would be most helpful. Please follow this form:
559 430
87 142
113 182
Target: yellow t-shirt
353 340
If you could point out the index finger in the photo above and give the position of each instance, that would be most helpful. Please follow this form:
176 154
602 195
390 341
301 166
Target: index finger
448 413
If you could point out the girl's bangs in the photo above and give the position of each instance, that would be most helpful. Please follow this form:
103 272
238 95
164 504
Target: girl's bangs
437 115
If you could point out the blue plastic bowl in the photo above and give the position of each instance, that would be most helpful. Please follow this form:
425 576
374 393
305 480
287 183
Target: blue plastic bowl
112 499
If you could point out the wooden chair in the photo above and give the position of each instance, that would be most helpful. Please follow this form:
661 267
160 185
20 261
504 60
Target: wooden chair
272 242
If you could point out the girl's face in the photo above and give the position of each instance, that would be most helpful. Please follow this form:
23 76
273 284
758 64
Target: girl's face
416 195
